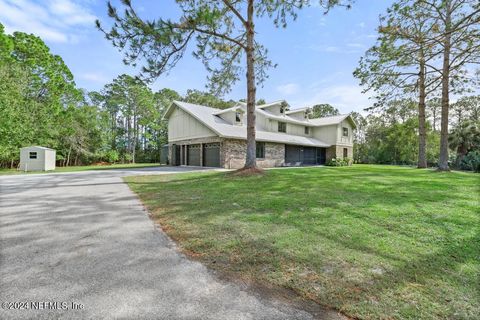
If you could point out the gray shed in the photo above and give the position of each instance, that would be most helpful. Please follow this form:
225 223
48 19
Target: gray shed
37 158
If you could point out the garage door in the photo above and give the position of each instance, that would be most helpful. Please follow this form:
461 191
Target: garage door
211 155
193 155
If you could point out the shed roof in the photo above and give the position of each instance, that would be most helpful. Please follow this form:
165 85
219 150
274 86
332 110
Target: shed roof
38 147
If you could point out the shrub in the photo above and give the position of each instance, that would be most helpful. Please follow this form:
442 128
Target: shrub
111 156
471 161
339 162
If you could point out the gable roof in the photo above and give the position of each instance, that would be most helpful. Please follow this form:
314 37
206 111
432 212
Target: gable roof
210 119
327 121
297 110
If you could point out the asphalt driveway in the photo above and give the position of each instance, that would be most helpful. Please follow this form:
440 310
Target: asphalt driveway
80 245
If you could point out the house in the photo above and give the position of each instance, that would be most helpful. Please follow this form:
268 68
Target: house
37 158
203 136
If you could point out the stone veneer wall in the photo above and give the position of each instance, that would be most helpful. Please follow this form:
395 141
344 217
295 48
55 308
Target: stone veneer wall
233 153
337 152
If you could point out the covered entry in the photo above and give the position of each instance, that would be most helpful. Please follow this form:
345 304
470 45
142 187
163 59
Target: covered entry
299 155
211 155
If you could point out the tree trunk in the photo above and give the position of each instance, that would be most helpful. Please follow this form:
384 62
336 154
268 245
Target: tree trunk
68 156
422 134
251 160
443 160
135 134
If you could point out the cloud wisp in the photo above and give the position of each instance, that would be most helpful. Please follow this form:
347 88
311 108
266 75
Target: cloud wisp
55 20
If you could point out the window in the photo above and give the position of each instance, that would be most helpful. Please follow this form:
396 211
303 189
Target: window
282 109
260 149
345 132
307 130
238 117
33 155
282 127
345 153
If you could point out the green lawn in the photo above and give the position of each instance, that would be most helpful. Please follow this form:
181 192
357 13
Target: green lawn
83 168
375 242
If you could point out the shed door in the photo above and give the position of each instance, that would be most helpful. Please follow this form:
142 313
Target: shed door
193 155
211 155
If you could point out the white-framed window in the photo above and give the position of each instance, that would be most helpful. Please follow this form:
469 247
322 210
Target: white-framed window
282 127
307 130
32 155
345 131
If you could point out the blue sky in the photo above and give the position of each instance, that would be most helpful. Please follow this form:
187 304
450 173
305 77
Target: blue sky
316 54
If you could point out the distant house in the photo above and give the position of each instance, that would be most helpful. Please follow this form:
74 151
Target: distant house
203 136
37 158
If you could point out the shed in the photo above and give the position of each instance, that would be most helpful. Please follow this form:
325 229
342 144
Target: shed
37 158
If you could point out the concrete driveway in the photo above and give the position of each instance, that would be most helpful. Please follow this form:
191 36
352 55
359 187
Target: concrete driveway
81 246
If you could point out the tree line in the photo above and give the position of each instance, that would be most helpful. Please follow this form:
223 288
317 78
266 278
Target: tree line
40 104
425 50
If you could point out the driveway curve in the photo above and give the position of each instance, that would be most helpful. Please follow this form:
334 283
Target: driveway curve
81 246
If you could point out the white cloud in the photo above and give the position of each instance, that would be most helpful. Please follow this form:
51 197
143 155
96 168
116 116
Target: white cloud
288 89
346 98
322 22
361 25
356 45
335 49
94 77
55 21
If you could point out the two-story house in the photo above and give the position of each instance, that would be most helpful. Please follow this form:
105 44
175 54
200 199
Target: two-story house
203 136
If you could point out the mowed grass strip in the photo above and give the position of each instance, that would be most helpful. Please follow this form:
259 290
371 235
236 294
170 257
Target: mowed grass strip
375 242
4 171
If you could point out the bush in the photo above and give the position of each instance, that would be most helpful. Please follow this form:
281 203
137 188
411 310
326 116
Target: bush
111 156
471 161
339 162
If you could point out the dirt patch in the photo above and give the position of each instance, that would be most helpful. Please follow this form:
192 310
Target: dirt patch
247 172
101 163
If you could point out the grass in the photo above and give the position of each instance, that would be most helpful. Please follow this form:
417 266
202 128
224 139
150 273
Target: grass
82 168
375 242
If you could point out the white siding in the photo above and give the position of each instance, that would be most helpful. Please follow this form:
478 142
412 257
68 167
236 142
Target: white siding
340 138
295 129
45 159
327 134
50 157
261 123
182 125
275 109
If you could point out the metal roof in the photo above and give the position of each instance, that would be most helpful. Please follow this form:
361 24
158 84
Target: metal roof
209 117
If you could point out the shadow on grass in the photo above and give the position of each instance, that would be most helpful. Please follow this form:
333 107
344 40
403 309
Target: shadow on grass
418 227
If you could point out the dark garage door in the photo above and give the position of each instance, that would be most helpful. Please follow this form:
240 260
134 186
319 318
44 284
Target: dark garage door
211 155
194 155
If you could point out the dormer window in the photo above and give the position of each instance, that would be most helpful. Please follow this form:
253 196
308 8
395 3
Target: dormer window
282 110
238 117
